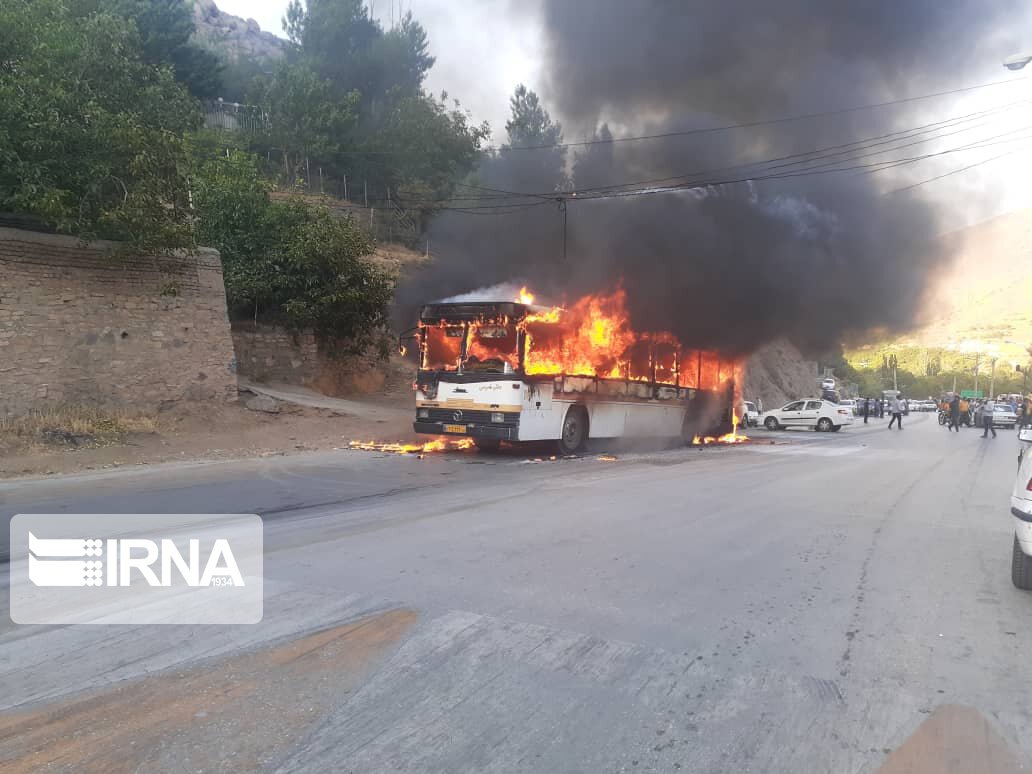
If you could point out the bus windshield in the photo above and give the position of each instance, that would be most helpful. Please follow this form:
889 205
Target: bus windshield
470 347
491 348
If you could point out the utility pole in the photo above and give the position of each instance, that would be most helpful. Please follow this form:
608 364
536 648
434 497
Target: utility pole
992 379
562 209
977 355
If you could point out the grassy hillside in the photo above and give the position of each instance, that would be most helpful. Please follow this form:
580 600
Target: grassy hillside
980 308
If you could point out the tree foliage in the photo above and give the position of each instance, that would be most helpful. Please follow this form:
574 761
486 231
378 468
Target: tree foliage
303 118
289 262
533 160
165 28
402 139
91 135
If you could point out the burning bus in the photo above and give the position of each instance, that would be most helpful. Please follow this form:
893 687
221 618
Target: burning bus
516 371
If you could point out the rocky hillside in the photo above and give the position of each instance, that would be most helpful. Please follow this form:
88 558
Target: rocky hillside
233 37
778 373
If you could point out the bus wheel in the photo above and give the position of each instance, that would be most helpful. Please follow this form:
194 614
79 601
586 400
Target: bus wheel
575 430
490 445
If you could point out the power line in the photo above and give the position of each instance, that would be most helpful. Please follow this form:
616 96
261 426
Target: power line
767 122
878 166
710 129
861 144
957 171
849 151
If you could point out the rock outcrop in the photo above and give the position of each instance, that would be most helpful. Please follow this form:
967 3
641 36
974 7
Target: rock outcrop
777 373
233 37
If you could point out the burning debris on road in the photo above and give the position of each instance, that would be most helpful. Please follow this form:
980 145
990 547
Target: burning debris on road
734 437
436 445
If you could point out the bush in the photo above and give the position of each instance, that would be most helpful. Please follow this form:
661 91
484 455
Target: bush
289 262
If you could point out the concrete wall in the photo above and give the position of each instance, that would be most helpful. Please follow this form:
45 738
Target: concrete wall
79 325
267 353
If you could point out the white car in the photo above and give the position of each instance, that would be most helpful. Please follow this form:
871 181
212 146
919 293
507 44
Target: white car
810 413
749 413
850 404
1002 417
1021 510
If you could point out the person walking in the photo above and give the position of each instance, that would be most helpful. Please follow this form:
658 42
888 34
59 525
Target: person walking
881 408
954 414
896 407
867 409
988 408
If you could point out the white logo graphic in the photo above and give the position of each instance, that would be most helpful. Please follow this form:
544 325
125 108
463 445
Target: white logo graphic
136 568
62 568
74 572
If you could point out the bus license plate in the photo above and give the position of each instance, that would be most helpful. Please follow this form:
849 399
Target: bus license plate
454 428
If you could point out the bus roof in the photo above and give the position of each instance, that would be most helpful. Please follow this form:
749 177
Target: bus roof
476 310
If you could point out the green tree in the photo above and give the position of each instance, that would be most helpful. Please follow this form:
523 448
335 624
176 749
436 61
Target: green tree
541 166
165 28
344 44
440 146
289 262
403 140
530 123
303 118
91 135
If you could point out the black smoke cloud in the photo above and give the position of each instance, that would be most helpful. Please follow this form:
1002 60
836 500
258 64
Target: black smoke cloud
729 266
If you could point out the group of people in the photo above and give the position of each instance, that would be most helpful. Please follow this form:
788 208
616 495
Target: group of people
959 410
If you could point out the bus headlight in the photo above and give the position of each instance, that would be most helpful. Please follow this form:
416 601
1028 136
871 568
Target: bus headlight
498 417
423 413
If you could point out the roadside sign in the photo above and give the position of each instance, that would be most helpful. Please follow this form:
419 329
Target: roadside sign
972 394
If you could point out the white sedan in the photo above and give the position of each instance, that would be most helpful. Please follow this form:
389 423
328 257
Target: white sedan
1021 510
809 413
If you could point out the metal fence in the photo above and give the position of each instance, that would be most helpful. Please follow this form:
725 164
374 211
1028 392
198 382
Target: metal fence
234 117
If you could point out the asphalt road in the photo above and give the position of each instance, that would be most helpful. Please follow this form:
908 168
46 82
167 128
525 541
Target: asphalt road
828 603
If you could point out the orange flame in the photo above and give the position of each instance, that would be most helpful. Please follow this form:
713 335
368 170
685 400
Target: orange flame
593 337
436 445
525 297
728 438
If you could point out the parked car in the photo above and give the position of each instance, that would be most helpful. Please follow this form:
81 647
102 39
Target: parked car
850 404
929 405
1002 417
749 413
1021 510
810 413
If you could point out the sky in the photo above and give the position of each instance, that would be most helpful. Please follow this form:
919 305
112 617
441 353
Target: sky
485 48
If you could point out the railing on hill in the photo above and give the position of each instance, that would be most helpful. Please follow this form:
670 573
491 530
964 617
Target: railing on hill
234 117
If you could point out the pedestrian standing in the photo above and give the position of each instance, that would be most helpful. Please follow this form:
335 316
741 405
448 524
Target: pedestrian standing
880 403
954 414
896 407
988 408
867 409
